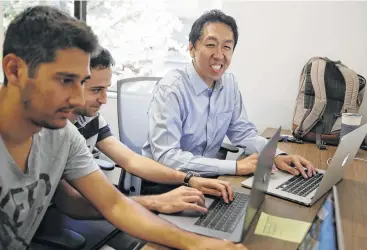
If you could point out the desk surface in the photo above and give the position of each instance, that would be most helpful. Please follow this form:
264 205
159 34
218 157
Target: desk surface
352 194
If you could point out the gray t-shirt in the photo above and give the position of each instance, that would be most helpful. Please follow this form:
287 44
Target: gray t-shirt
24 197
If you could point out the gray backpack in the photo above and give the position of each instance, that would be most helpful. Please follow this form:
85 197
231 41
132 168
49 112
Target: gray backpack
326 90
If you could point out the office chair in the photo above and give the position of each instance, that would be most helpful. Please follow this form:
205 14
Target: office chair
51 235
133 99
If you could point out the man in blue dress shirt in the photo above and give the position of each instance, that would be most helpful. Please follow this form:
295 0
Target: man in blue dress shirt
193 109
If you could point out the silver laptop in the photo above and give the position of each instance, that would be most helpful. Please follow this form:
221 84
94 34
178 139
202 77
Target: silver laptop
231 221
325 231
308 191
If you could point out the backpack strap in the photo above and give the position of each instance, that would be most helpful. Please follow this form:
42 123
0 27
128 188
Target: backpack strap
362 84
351 89
351 97
319 142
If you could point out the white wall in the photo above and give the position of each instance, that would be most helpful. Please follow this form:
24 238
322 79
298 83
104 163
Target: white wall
277 38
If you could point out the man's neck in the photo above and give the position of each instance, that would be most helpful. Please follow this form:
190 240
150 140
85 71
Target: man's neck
208 82
14 128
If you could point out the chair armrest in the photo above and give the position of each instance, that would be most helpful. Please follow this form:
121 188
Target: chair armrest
105 165
63 239
229 147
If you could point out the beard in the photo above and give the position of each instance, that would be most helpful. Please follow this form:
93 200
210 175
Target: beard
45 124
82 112
26 99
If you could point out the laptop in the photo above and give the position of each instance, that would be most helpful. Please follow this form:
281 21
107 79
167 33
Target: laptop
325 231
231 221
308 191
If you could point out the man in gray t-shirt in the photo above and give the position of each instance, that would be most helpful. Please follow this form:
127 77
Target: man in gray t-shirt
25 197
46 56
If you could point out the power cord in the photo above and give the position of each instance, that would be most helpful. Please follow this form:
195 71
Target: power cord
355 158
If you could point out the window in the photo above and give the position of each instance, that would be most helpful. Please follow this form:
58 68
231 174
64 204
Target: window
145 37
10 8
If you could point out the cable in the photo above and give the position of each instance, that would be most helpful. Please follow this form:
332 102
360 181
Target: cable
360 159
328 162
355 158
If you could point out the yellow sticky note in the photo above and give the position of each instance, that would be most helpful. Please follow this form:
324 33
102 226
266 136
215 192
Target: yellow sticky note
281 228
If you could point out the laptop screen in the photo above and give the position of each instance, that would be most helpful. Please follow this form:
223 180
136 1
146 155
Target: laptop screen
261 180
323 231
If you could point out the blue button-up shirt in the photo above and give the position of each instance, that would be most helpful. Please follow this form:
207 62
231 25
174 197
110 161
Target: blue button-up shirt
188 122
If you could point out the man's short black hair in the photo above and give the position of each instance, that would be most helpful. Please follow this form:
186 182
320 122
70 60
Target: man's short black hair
101 59
212 16
38 32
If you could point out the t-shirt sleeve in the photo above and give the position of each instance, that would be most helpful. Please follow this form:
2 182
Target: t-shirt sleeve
104 130
80 161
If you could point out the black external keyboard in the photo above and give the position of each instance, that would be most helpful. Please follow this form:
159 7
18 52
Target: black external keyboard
298 185
222 216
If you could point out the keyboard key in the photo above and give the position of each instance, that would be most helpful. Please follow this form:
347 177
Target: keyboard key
222 216
300 186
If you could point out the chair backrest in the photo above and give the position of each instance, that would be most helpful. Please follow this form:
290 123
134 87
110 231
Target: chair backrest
133 99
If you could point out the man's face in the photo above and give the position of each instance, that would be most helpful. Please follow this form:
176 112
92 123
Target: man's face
213 52
49 98
95 91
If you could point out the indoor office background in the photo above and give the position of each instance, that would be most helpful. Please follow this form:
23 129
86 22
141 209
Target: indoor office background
147 38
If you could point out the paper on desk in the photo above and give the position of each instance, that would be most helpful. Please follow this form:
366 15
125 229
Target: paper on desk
281 228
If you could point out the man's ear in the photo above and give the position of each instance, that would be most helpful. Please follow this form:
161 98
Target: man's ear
192 50
14 68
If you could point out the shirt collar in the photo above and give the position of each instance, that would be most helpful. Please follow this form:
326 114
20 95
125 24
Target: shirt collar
198 84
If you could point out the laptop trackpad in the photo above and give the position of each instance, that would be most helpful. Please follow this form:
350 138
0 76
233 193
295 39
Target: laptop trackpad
189 213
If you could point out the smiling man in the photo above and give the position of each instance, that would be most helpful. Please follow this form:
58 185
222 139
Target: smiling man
195 108
46 63
97 133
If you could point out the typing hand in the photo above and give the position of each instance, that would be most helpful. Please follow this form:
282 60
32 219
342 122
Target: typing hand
213 187
180 199
285 162
209 244
247 165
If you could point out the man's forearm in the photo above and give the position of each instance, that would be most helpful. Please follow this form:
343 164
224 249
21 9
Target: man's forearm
147 201
137 164
153 171
186 161
73 204
84 211
132 218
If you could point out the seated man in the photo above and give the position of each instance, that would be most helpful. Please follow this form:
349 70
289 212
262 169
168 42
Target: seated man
194 108
46 61
98 134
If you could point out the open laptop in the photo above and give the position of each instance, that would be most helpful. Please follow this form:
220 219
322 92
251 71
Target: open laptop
325 231
231 221
308 191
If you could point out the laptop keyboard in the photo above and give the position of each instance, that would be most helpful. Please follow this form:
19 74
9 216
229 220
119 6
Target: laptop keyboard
298 185
222 216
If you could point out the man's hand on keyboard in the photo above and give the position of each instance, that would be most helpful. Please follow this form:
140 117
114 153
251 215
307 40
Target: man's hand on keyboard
180 199
285 162
247 165
213 187
209 244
